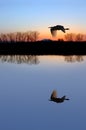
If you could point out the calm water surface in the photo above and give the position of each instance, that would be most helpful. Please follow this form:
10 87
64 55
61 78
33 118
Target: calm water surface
26 83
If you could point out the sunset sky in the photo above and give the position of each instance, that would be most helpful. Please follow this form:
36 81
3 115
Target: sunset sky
38 15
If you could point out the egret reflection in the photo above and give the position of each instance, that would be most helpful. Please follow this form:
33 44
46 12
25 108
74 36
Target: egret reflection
56 99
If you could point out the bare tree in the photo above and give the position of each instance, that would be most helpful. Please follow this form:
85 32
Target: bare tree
79 37
35 35
74 37
30 36
70 37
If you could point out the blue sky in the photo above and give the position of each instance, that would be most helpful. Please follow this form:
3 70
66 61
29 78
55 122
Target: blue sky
25 15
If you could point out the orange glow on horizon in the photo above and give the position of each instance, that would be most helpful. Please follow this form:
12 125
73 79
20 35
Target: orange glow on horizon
60 35
49 36
46 34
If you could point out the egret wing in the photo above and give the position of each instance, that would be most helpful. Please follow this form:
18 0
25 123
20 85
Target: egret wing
62 29
53 32
54 94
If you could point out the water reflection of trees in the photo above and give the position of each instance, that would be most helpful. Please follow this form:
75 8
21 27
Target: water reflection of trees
33 59
28 59
78 58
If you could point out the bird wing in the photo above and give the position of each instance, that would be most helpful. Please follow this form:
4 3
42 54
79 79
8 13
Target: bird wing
62 29
54 94
53 32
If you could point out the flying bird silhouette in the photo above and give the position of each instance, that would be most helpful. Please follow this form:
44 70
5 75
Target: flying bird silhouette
54 97
53 29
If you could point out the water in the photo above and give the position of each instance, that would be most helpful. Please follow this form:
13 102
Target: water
26 83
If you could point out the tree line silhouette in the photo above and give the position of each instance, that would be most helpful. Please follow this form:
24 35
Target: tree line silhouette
33 36
30 36
75 37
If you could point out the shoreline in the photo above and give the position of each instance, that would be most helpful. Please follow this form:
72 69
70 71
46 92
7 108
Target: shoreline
43 48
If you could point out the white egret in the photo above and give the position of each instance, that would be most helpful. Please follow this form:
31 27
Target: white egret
53 29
